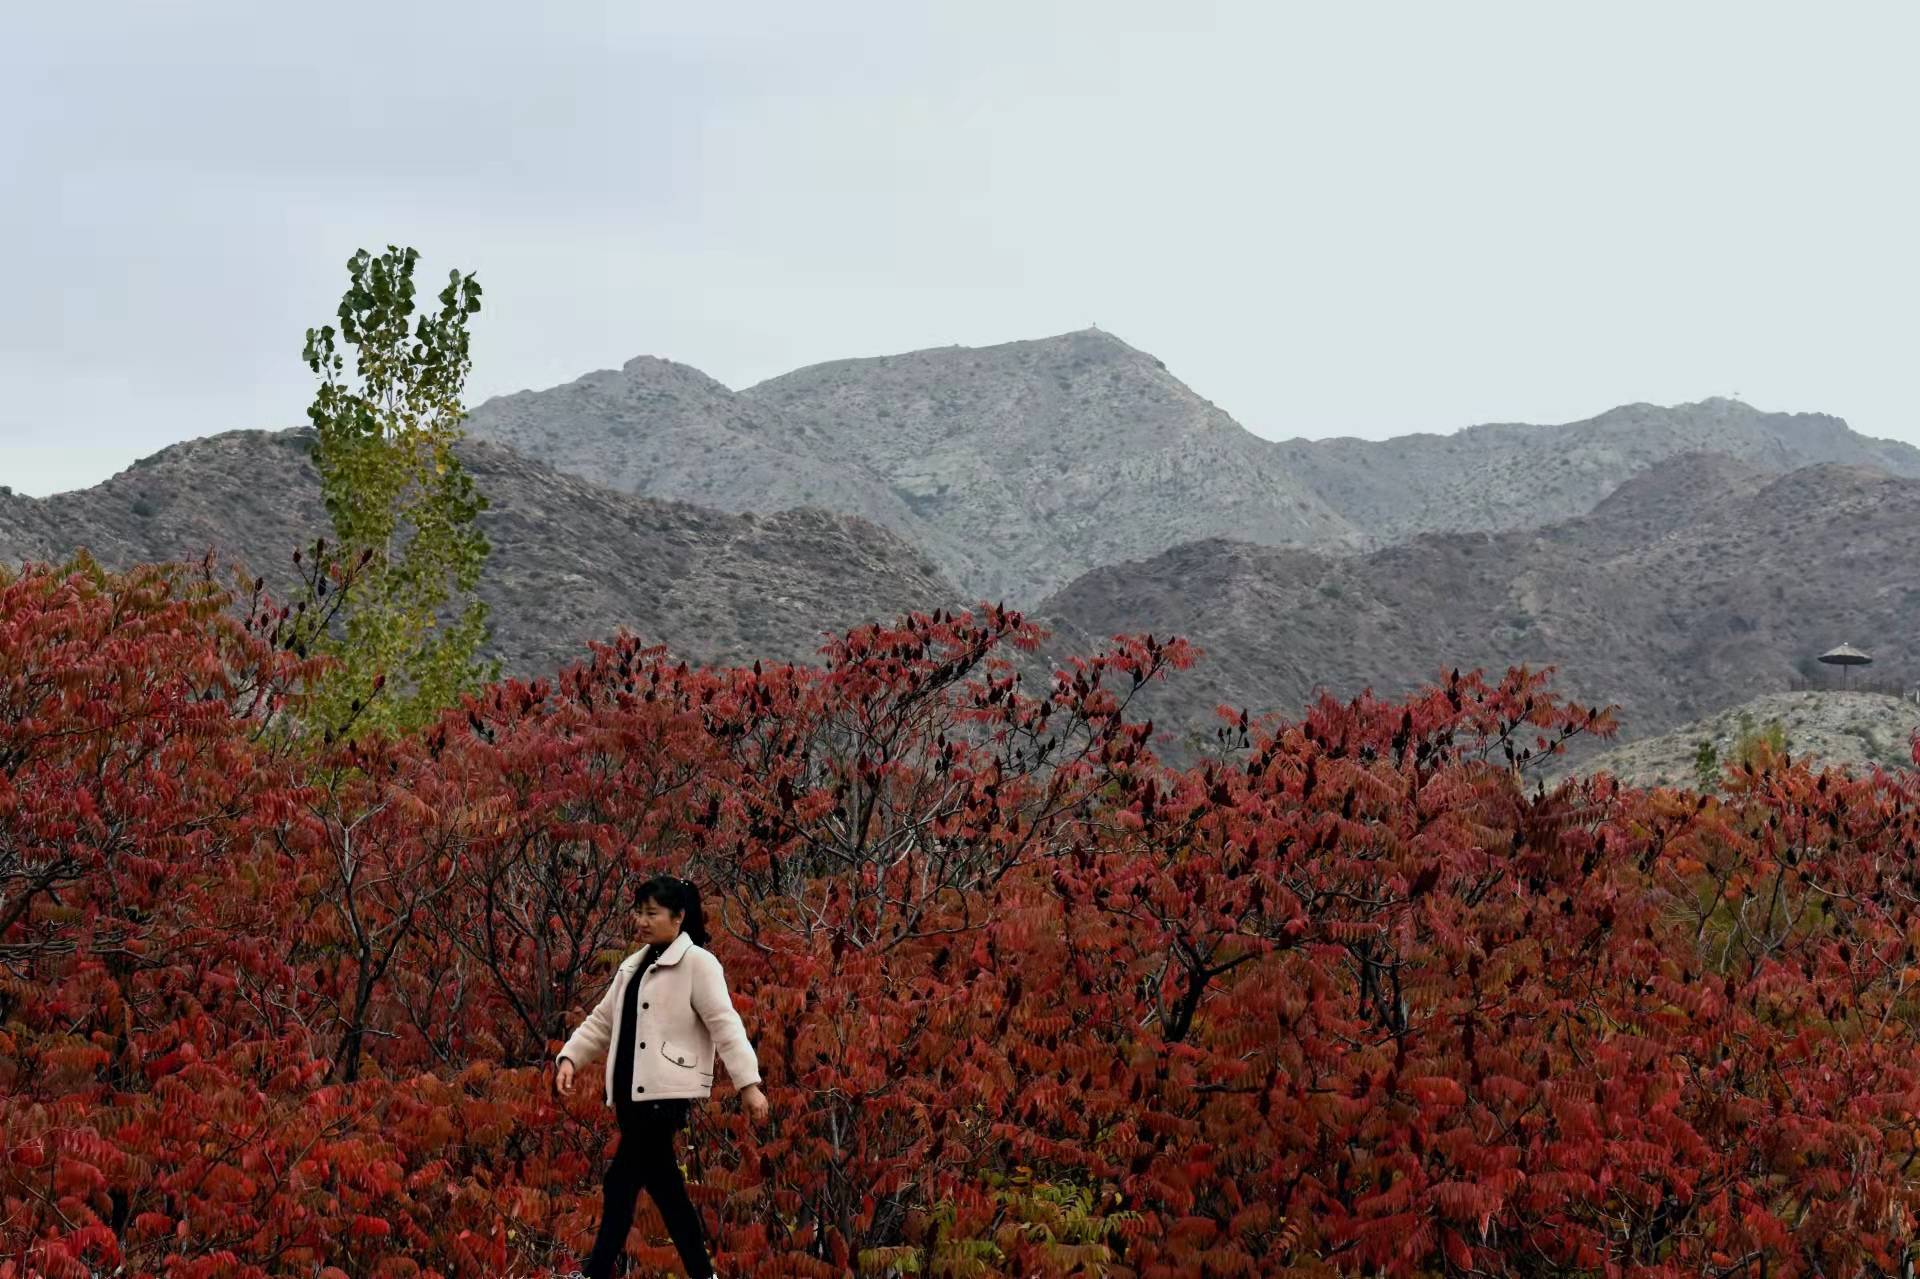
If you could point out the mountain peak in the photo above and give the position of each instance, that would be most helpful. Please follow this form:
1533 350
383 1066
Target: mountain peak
1077 346
1092 337
571 560
1033 461
659 370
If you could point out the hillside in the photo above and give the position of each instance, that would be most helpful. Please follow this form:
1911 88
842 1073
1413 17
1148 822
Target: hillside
571 560
1512 475
1052 457
1671 618
1848 730
1018 467
1697 585
667 430
1015 467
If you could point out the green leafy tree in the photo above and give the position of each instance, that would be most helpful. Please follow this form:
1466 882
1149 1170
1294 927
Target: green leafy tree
403 508
1706 766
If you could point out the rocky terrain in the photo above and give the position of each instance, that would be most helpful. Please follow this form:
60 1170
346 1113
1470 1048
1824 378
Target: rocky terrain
1049 458
1698 585
1672 561
1512 476
571 560
667 430
1848 730
1018 467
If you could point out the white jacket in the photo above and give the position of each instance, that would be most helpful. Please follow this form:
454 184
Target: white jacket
684 1014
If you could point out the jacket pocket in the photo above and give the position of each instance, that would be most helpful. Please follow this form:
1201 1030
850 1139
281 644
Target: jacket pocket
679 1054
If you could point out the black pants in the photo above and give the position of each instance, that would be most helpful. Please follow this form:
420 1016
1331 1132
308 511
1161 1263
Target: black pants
645 1160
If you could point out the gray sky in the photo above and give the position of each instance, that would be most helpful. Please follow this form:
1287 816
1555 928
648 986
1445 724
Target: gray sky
1360 219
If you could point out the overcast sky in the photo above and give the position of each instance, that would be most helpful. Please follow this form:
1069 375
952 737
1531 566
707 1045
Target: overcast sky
1330 219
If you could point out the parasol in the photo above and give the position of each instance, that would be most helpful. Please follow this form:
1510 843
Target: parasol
1844 656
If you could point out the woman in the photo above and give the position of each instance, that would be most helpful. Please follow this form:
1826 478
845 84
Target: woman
665 1015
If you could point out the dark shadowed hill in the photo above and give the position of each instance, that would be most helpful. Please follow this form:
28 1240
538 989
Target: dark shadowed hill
1698 585
571 560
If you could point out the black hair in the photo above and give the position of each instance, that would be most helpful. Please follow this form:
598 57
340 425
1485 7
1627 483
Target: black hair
676 895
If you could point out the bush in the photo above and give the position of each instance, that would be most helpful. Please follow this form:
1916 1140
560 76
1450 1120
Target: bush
1706 766
1352 999
1752 739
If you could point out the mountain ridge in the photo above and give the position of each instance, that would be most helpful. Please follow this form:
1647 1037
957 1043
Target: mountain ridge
1668 622
1697 584
1506 475
1020 465
1053 455
572 561
1668 578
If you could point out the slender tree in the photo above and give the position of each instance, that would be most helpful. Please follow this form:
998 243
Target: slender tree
404 509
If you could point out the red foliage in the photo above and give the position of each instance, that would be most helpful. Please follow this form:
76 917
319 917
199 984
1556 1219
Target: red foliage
1352 998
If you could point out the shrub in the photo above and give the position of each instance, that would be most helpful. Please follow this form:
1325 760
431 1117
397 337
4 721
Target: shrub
1350 998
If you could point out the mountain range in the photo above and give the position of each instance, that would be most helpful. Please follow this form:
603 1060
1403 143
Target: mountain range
571 560
1698 584
1021 466
1016 467
1672 560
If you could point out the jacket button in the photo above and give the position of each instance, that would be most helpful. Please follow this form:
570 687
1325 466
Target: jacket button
641 1088
643 1043
643 1003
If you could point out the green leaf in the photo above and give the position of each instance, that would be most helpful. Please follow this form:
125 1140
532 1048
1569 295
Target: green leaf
401 505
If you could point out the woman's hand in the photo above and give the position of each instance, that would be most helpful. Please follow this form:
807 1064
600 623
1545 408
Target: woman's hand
563 1077
755 1100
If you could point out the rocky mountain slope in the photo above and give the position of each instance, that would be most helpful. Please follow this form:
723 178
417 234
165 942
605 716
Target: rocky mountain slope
1511 475
1052 457
1015 467
1697 585
1848 730
1018 467
667 430
571 560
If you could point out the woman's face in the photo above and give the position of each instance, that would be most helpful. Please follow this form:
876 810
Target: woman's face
655 924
